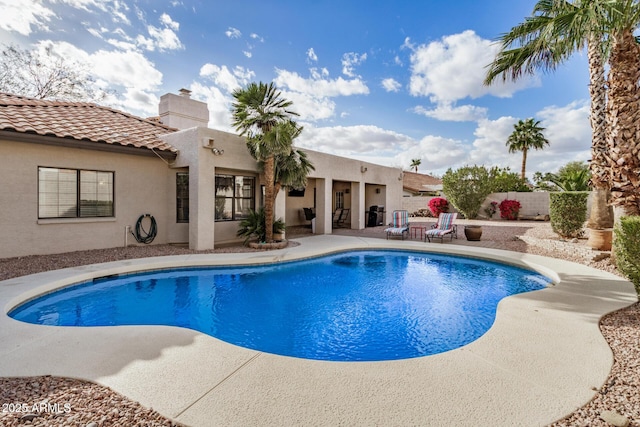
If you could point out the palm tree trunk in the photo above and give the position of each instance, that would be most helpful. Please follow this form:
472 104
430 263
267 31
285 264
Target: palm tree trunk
623 115
524 163
601 215
269 197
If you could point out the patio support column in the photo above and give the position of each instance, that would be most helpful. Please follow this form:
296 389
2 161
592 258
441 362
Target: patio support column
202 201
280 210
357 206
324 211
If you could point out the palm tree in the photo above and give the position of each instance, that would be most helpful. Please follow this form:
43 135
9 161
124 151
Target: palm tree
290 169
557 29
415 163
623 111
260 113
527 135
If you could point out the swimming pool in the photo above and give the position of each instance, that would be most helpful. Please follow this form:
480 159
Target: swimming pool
351 306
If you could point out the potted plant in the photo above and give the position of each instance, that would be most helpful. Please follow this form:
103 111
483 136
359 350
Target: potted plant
473 232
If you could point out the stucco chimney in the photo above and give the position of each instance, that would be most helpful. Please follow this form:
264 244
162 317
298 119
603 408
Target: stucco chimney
182 112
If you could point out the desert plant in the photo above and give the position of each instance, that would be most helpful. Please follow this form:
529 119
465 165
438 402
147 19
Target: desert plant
568 212
438 205
491 209
467 188
254 226
509 209
626 247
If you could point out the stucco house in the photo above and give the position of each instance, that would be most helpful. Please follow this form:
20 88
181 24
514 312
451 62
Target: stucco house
77 176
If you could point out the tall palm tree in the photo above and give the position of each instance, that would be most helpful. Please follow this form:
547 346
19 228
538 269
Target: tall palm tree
263 116
527 135
292 168
415 163
623 110
557 29
610 24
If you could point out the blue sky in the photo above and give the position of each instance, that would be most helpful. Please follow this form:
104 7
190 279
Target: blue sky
381 81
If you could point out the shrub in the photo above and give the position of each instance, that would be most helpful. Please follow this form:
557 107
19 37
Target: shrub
626 247
254 226
568 212
438 205
509 209
503 181
467 188
491 209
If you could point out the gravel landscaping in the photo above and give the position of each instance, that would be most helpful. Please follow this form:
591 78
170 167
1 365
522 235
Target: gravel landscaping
42 399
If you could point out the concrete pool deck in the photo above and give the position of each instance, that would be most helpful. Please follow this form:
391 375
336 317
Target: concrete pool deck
542 358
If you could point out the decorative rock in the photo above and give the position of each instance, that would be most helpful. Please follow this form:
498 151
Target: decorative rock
614 418
92 424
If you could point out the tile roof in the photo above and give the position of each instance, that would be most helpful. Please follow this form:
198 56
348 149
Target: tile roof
416 182
81 121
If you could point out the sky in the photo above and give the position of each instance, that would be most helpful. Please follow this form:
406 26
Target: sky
380 81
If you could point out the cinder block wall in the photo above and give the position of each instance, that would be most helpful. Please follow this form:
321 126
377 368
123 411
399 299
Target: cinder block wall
533 204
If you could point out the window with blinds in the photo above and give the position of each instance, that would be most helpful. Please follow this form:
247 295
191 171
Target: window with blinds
73 193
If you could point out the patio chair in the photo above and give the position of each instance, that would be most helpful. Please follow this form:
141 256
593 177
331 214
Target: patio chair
309 214
399 225
340 216
444 227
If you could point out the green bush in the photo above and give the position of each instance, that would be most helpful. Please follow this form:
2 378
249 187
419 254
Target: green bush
254 226
467 188
568 212
626 247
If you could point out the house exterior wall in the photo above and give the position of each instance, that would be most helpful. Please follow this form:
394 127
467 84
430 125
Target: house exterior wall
368 184
147 184
139 188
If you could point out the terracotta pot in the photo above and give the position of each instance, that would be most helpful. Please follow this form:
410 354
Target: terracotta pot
473 232
600 240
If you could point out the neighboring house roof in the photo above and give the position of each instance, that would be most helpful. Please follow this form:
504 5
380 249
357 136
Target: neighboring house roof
419 182
81 121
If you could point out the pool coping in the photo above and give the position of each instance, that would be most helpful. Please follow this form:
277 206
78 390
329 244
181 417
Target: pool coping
543 357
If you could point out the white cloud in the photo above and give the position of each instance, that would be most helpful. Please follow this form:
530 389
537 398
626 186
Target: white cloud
449 112
22 17
311 95
567 128
164 38
353 140
223 77
454 68
219 105
391 85
320 86
350 61
311 55
257 37
247 53
129 69
170 23
311 108
233 33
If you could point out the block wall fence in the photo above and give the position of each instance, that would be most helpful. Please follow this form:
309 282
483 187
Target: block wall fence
533 203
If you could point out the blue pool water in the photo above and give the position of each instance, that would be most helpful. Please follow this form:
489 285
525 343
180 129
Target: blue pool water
352 306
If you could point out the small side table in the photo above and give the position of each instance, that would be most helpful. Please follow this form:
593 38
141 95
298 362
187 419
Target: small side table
414 230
